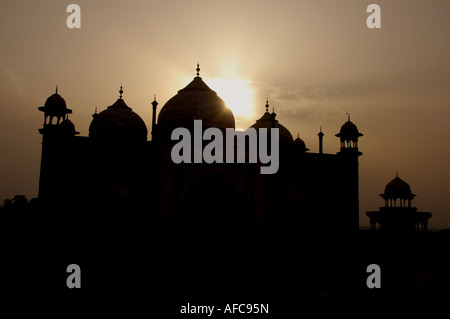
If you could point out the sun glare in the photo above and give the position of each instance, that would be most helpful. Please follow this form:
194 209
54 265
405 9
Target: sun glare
236 93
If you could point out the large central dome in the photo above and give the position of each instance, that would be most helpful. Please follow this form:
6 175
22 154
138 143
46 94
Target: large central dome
196 102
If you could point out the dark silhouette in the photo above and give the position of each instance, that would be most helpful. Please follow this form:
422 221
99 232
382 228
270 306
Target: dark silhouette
155 235
397 215
18 204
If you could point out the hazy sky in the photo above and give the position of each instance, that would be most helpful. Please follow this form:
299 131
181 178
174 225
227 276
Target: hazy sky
314 60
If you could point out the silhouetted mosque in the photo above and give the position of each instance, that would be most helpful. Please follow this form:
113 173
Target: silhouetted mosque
398 215
136 222
117 171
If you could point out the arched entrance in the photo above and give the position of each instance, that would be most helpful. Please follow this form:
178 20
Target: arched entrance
212 223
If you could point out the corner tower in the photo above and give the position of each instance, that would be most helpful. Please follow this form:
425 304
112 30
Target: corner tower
54 108
349 154
57 133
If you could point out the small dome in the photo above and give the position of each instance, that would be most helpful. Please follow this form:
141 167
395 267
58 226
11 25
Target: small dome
349 132
68 127
268 121
118 122
397 188
196 102
56 104
298 141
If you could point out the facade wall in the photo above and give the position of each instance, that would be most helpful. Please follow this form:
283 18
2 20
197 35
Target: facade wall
311 193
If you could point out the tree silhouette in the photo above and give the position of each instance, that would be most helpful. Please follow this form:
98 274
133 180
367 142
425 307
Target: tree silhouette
18 203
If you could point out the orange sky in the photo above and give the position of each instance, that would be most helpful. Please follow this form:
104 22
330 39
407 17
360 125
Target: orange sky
314 60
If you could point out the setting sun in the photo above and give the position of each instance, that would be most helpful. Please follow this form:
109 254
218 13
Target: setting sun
236 93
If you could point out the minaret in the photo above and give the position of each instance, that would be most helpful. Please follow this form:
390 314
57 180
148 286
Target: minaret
321 141
154 105
56 133
349 153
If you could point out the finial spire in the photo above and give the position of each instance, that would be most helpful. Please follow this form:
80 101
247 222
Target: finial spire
120 92
56 91
267 105
198 69
298 135
397 174
95 110
320 132
154 103
348 114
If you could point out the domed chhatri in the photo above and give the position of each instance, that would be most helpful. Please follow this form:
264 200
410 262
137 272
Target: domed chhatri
196 102
55 106
398 189
118 122
398 215
349 134
268 121
55 103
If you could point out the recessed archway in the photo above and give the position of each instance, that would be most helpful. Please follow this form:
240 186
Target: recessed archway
212 221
